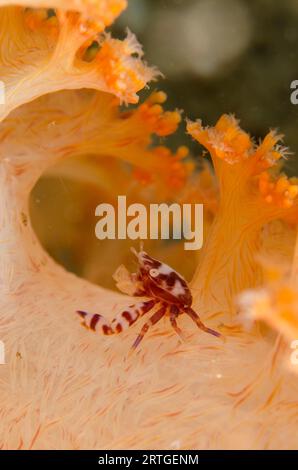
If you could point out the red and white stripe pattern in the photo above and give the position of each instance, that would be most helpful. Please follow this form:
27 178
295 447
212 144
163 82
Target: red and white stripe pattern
121 322
169 292
164 282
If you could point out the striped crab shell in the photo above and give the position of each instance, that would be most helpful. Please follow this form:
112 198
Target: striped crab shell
162 281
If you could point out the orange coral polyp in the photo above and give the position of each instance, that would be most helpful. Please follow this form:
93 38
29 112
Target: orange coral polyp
169 168
268 150
225 140
229 143
280 192
123 73
152 114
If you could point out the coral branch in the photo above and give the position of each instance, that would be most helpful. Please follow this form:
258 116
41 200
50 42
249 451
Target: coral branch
251 196
40 55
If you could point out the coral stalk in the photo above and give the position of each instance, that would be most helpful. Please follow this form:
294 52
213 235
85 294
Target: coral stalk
249 199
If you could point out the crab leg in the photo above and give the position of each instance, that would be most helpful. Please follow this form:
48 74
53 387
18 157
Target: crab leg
174 312
195 317
121 322
152 321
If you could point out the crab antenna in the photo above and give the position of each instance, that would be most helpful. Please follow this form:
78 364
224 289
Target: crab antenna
134 251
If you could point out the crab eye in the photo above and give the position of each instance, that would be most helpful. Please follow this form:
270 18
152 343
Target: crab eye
153 272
